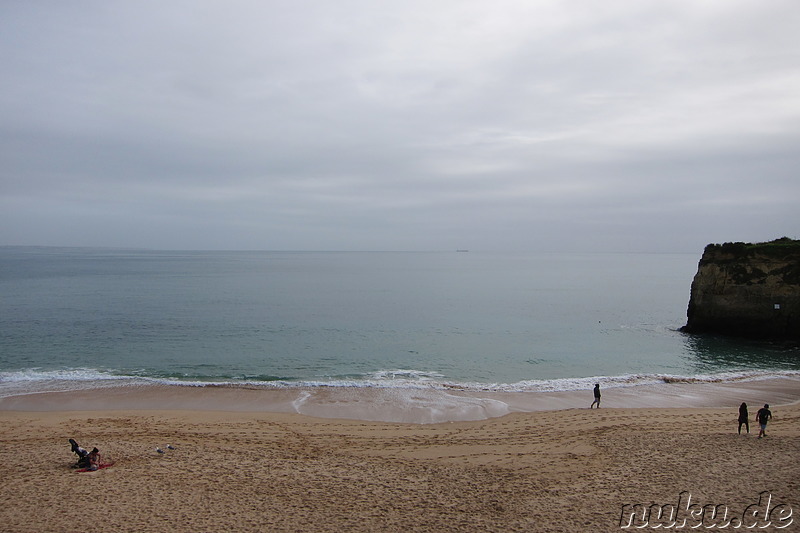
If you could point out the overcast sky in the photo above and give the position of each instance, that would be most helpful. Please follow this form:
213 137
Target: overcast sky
561 125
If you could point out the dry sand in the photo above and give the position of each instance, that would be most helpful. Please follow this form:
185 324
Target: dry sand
565 470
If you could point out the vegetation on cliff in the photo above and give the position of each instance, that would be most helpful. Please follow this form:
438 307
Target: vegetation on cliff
777 248
742 259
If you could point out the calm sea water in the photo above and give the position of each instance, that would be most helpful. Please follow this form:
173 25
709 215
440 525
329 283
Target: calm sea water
516 321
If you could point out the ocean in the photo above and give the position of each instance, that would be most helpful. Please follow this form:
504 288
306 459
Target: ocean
73 318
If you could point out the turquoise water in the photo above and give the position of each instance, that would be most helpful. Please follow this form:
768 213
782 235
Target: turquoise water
516 321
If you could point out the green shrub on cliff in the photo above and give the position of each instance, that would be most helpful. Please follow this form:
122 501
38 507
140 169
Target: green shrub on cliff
777 248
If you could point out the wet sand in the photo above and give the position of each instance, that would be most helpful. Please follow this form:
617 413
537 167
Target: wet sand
556 467
414 405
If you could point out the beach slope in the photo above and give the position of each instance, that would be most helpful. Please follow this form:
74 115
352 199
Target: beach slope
566 470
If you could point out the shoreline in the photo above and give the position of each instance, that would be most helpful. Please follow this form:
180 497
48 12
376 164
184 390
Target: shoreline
403 405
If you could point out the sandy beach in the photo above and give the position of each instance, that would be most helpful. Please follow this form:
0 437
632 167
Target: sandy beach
567 468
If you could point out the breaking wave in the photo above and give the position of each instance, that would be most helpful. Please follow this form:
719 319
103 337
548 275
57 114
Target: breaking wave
32 381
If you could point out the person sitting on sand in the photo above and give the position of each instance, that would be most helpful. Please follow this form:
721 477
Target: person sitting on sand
596 396
743 418
763 415
94 459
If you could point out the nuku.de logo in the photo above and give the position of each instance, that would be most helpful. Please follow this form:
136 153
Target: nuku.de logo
686 514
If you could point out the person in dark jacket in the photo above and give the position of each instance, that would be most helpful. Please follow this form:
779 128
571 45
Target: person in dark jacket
743 418
596 396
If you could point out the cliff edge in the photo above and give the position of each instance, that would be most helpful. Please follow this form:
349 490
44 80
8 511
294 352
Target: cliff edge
747 290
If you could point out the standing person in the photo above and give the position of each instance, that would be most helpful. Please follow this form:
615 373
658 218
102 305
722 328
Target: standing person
596 396
743 418
762 416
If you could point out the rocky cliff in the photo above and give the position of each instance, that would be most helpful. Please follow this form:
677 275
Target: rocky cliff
747 290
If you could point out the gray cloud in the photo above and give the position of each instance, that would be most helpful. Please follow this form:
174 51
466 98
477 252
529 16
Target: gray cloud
399 125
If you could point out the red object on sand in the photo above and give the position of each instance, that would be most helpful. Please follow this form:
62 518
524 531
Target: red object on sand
102 466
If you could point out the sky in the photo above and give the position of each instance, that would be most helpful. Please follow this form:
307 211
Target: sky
497 125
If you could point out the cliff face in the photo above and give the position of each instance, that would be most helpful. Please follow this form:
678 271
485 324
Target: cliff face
747 290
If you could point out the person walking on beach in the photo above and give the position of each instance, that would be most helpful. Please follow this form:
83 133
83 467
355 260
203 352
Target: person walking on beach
762 416
596 396
743 418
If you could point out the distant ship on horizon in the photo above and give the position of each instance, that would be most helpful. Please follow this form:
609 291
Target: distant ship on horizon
462 250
